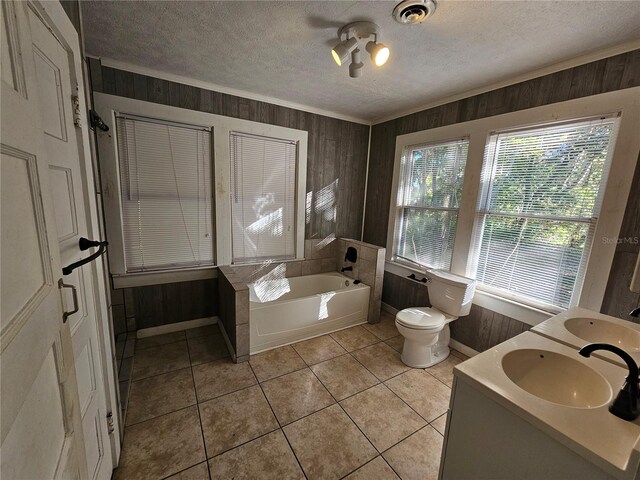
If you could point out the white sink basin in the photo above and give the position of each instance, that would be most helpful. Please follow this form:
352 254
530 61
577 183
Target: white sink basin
556 378
597 330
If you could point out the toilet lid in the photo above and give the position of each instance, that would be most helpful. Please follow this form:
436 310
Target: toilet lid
423 318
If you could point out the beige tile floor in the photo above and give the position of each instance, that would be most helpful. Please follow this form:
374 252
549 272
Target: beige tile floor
338 406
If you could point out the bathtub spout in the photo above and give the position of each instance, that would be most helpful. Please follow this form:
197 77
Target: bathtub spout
346 269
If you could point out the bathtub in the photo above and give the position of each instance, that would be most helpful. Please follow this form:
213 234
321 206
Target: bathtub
287 310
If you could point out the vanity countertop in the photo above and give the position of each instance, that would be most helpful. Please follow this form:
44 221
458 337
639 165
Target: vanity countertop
603 439
625 335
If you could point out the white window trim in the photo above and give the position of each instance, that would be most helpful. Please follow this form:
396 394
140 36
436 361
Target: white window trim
623 161
108 105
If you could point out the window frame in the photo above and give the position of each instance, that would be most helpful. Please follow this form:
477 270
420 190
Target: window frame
107 106
397 208
625 103
264 258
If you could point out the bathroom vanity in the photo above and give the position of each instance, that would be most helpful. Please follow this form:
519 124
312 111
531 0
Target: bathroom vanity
533 408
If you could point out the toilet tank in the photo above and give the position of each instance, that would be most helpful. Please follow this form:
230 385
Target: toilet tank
450 293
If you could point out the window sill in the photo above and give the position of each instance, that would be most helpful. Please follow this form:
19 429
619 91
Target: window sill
510 308
158 278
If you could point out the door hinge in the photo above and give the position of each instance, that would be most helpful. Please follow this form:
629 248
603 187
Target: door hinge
110 426
77 117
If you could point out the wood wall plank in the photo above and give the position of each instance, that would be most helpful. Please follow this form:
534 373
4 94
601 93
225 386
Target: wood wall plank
482 328
337 151
609 74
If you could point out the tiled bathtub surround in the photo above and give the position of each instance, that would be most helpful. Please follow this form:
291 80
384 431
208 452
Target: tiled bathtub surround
234 311
320 409
368 268
321 255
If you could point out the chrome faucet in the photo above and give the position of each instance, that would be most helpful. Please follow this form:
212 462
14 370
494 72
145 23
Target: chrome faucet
635 312
626 403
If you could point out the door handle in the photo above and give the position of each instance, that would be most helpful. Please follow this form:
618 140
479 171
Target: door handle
74 294
85 244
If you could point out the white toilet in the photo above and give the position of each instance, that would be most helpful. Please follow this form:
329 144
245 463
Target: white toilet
426 329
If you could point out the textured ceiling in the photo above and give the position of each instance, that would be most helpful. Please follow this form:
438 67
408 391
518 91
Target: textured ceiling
282 49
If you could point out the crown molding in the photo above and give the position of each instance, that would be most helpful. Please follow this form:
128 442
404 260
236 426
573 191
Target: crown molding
549 69
128 67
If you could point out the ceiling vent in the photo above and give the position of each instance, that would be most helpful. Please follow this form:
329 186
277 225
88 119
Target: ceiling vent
410 12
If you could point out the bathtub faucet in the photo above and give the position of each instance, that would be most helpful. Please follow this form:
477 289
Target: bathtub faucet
346 269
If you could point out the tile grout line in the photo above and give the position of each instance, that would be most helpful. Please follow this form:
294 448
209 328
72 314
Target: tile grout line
159 374
161 415
278 421
280 426
383 382
195 391
351 419
184 470
160 344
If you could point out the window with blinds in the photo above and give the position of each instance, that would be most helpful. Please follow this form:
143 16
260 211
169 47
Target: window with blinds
165 183
263 189
540 199
429 193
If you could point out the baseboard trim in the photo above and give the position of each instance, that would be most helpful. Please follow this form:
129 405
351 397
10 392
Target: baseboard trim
176 327
456 345
462 348
388 308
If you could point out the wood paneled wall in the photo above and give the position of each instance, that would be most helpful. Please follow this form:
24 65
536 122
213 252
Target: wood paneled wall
618 299
483 328
336 166
609 74
480 330
337 149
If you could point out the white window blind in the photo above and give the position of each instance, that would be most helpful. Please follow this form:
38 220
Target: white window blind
429 194
263 188
165 180
539 205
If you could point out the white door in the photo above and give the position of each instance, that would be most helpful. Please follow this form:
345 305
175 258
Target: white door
69 190
65 188
40 423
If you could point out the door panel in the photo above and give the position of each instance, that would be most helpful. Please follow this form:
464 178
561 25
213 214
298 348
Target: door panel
39 428
51 98
12 72
62 191
43 186
24 243
68 191
86 377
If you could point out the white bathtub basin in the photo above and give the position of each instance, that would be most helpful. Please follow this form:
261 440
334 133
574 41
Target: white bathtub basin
286 310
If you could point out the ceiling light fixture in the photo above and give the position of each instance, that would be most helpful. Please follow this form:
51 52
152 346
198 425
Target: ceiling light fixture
352 33
355 68
342 50
379 53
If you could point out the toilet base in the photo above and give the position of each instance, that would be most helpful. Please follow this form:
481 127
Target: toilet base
421 355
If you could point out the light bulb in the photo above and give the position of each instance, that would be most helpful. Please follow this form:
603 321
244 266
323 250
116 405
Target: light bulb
379 53
342 50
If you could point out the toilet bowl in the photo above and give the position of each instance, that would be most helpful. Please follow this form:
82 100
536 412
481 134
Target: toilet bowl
426 336
426 329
